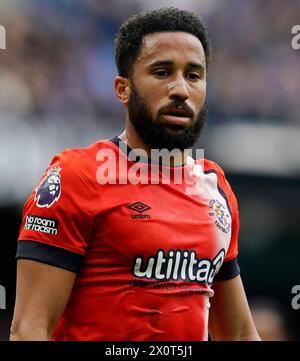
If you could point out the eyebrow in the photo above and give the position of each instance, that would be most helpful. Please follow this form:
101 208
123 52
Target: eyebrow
193 65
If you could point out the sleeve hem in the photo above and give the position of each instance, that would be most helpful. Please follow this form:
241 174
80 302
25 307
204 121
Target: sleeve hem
229 270
23 237
48 254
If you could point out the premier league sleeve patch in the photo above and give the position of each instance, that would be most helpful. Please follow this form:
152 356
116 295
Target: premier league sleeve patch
49 190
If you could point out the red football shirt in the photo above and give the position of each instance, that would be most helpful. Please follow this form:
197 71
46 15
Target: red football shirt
145 254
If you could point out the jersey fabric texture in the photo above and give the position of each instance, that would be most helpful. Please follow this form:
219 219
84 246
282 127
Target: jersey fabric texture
145 254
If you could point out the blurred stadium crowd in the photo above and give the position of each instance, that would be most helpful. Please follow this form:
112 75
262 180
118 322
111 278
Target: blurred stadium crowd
60 57
56 91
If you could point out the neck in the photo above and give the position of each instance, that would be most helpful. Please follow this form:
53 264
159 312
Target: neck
134 141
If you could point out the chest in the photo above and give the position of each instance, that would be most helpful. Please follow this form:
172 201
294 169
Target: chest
142 220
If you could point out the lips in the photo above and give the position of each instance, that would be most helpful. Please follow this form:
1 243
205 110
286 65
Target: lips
176 120
179 112
177 116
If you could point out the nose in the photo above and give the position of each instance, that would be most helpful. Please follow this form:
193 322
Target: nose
178 89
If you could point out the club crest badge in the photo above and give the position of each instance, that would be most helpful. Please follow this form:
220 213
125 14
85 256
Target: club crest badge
221 215
49 190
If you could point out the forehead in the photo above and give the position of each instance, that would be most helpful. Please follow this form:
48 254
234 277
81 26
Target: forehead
175 46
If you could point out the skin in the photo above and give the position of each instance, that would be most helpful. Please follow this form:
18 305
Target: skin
42 293
43 290
229 317
183 78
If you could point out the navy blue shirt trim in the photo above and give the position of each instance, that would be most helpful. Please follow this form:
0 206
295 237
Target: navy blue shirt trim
228 270
51 255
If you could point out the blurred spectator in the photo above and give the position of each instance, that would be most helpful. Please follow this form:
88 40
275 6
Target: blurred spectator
59 57
270 320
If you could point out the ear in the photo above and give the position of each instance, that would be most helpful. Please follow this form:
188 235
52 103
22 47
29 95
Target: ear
122 89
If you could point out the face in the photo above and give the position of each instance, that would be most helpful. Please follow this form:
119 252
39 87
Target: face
168 87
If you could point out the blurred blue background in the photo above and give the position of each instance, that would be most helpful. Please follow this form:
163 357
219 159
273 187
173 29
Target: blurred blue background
56 91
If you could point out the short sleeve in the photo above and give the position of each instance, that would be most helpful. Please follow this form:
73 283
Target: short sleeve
235 226
230 267
58 212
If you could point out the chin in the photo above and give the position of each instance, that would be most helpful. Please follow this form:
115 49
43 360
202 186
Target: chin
175 129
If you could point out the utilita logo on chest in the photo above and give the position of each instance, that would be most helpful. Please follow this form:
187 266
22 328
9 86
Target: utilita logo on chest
178 265
49 189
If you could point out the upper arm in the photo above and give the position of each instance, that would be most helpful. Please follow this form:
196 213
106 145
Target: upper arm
230 317
59 211
56 226
41 296
54 235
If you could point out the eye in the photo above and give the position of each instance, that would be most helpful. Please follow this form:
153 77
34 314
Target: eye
162 74
193 76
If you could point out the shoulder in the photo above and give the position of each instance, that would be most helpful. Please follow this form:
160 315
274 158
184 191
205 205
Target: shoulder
78 161
74 169
83 155
211 166
224 186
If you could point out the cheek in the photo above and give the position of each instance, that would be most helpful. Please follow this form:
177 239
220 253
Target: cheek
154 103
152 96
199 97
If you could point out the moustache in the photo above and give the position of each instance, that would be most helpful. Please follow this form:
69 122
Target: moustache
177 107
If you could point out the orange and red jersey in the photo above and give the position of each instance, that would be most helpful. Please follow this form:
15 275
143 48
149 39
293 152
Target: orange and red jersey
145 254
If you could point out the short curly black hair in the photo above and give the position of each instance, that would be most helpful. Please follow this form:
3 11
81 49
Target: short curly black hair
129 39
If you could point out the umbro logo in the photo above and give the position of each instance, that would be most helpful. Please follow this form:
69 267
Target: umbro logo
140 208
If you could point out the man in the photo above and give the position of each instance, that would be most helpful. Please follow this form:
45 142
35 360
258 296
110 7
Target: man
99 259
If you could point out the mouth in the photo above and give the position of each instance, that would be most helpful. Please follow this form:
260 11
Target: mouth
177 118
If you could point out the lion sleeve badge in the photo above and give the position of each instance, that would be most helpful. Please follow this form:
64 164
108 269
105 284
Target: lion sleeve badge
49 190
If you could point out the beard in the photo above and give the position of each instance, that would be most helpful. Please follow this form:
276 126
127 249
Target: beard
158 135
